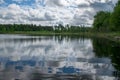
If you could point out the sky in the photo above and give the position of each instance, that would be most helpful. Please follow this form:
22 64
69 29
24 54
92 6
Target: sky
52 12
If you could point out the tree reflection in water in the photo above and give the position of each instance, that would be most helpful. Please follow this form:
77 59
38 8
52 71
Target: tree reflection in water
106 48
58 58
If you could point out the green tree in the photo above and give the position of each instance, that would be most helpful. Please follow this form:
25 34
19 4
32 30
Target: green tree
115 18
101 21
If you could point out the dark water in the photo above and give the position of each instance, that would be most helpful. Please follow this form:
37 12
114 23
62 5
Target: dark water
58 58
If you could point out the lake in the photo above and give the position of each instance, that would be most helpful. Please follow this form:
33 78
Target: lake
58 58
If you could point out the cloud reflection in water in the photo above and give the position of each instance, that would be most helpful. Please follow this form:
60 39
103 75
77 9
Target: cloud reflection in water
51 55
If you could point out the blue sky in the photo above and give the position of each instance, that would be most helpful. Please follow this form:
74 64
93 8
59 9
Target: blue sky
52 12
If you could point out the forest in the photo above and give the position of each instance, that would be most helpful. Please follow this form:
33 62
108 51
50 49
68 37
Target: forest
30 27
108 21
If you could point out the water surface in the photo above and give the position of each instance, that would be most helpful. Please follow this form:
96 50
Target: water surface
58 58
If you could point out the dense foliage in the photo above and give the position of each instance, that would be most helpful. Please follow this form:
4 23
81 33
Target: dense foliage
101 22
27 27
108 21
115 18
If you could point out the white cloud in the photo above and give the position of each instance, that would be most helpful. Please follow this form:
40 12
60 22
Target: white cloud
14 6
46 12
81 2
63 2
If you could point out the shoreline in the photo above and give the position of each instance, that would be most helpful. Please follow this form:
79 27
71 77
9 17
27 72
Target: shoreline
113 36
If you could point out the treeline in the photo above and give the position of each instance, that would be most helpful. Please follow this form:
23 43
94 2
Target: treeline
108 21
30 27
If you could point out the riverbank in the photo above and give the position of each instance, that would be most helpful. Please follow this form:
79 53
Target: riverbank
47 33
113 36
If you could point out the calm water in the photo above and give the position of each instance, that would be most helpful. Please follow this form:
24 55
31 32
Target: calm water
58 58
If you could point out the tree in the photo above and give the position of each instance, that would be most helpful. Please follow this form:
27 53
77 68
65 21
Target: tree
115 18
101 21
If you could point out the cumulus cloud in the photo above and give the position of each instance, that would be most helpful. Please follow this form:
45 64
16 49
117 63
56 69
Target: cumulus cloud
49 12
